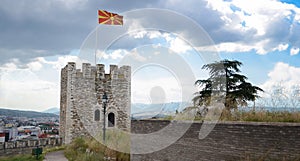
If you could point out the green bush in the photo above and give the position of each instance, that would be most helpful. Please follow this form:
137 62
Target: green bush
87 149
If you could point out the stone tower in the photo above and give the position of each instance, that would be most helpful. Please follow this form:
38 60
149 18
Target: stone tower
81 107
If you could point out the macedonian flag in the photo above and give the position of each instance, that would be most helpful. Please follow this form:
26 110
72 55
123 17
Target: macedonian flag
109 18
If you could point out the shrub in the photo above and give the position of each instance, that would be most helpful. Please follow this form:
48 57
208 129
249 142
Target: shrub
89 149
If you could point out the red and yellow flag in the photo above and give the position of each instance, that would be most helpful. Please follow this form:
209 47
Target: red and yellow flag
109 18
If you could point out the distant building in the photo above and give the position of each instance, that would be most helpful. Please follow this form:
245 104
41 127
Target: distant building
49 127
2 137
7 134
29 130
81 107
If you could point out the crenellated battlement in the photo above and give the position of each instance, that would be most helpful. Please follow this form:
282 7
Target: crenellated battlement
98 71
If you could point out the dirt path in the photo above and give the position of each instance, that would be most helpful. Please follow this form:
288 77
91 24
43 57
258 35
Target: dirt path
55 156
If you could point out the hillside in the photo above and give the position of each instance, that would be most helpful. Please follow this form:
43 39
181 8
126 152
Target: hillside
144 111
29 114
54 110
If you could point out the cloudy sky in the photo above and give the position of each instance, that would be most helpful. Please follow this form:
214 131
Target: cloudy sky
38 38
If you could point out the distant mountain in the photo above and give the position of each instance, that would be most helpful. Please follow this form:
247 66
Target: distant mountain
145 111
29 114
54 110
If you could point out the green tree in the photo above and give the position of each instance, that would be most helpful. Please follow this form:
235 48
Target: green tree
225 83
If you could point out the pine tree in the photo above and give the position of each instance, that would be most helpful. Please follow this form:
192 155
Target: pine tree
225 81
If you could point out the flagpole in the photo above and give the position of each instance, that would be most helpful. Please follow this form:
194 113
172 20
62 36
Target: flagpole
96 45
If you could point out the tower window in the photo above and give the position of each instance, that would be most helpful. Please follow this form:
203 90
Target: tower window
111 120
97 115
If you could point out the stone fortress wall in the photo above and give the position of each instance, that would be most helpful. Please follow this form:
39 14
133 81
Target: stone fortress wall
81 107
227 141
25 146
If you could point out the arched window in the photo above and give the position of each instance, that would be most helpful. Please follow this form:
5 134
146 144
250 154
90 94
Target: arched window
97 115
111 120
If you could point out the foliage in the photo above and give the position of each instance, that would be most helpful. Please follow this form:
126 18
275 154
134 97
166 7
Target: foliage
258 115
89 149
25 157
117 139
225 80
264 116
52 149
29 157
168 117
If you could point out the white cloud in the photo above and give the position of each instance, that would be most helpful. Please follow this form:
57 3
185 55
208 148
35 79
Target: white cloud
154 34
294 51
238 47
178 45
10 66
142 89
256 14
115 54
61 61
71 4
284 74
139 34
101 54
245 25
137 56
42 7
23 89
233 47
136 29
156 53
281 47
282 87
262 25
32 88
173 42
35 66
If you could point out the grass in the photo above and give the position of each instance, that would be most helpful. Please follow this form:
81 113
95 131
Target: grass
52 149
259 115
89 149
30 157
262 116
22 157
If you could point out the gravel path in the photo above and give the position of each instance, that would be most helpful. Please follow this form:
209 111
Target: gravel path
55 156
